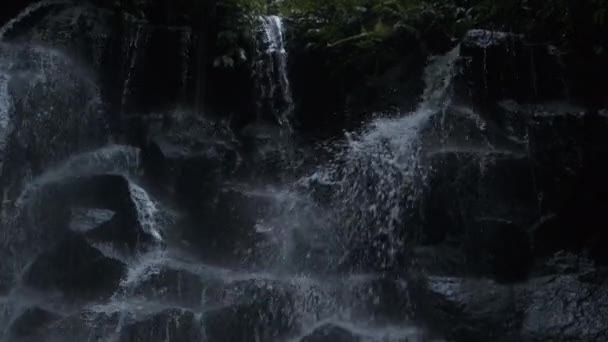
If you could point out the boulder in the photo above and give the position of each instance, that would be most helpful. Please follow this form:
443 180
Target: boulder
84 220
136 219
257 310
174 325
383 300
331 333
468 309
565 308
231 229
55 110
499 65
486 201
172 286
185 146
76 269
31 321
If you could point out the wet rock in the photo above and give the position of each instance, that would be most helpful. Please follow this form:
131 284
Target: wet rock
31 321
84 220
170 285
134 211
499 65
76 269
169 325
444 259
258 310
485 200
564 308
183 147
82 326
83 30
379 299
231 230
331 333
55 107
468 309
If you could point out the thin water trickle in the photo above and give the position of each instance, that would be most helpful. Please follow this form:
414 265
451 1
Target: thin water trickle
275 97
133 49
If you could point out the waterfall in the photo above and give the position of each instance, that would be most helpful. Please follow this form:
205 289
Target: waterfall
147 211
369 190
377 176
274 96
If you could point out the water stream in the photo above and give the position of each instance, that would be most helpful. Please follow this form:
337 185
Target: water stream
302 242
274 91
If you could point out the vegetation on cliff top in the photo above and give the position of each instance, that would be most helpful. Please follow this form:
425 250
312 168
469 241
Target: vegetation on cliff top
368 23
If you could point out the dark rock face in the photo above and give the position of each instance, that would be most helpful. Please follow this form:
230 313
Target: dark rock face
54 110
183 147
172 286
331 333
519 70
382 300
169 325
75 268
469 309
125 229
31 321
260 310
565 308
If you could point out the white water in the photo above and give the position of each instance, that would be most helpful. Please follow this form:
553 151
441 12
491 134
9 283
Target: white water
112 159
377 177
369 179
271 72
147 211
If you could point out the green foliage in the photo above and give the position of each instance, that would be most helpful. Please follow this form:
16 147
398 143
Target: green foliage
369 21
360 27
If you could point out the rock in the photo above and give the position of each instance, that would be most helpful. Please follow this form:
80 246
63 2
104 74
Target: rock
486 201
445 259
468 309
84 220
169 325
170 285
31 321
136 218
564 308
499 65
331 333
232 230
55 110
379 299
258 310
76 269
84 325
183 148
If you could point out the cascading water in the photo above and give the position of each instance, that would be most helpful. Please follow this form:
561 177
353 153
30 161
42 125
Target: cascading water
377 177
152 286
274 98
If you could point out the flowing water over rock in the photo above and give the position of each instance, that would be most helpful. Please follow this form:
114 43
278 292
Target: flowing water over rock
274 96
189 237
